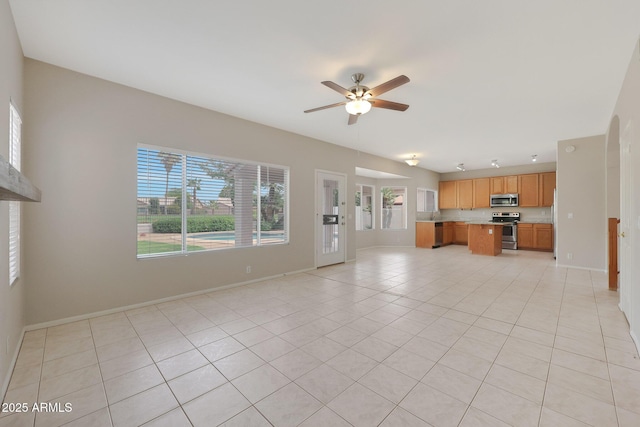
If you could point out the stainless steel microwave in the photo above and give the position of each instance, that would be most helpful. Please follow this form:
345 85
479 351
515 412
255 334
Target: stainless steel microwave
504 200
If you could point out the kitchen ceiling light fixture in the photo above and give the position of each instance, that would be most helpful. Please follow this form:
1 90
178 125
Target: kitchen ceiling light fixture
358 107
460 167
495 164
412 161
534 158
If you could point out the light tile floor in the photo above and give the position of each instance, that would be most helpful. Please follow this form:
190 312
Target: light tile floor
402 337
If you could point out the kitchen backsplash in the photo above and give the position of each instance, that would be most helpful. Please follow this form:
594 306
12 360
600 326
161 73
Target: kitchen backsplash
484 214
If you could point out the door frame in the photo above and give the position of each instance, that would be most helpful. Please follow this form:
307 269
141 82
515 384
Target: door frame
342 233
627 292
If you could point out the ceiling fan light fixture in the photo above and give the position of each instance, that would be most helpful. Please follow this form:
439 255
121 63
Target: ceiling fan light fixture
412 161
358 107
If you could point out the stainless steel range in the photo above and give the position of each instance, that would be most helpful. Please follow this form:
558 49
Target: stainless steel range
509 229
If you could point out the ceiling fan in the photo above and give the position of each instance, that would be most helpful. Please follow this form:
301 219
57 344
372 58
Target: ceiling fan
360 98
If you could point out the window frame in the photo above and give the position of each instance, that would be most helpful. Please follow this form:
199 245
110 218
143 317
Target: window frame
418 197
404 207
15 155
185 193
359 190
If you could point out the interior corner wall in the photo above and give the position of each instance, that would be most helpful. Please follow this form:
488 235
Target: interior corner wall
582 207
12 318
81 239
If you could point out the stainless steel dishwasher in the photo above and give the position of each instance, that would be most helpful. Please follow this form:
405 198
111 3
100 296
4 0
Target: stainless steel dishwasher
438 235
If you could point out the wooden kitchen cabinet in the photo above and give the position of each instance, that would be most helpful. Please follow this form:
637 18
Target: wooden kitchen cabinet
528 190
464 193
546 183
525 236
482 192
534 189
447 198
535 236
425 234
543 237
504 184
460 233
447 233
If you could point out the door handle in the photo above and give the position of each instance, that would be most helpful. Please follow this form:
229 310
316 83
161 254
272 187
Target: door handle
621 234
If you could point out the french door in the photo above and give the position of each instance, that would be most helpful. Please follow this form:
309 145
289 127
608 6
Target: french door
330 218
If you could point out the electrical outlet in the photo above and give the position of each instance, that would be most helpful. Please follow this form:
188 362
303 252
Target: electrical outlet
569 255
248 269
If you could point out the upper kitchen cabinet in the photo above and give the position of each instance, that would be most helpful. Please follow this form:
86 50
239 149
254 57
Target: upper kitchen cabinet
504 184
482 192
464 193
547 183
528 190
447 198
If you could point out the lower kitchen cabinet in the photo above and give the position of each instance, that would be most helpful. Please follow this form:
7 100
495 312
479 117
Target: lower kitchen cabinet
425 234
535 236
447 235
460 233
543 237
525 236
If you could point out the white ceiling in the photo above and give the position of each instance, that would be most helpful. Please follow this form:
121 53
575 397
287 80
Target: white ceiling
491 79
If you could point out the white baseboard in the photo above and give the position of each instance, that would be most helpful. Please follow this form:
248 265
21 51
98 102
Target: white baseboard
599 270
157 301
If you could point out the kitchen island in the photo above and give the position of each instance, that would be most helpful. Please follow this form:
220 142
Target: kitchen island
485 238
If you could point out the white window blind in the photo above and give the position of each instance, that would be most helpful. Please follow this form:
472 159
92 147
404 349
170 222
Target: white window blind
15 135
364 207
189 202
427 200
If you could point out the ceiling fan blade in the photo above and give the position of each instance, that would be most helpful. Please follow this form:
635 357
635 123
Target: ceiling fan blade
387 86
325 107
389 105
338 88
352 119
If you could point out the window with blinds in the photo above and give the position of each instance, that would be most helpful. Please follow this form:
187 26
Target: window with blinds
188 202
15 129
427 200
364 207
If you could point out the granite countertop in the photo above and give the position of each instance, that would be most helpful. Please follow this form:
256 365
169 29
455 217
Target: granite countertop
441 220
483 223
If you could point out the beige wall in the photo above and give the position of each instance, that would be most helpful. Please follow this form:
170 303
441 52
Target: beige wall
12 319
415 177
627 112
581 183
81 238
